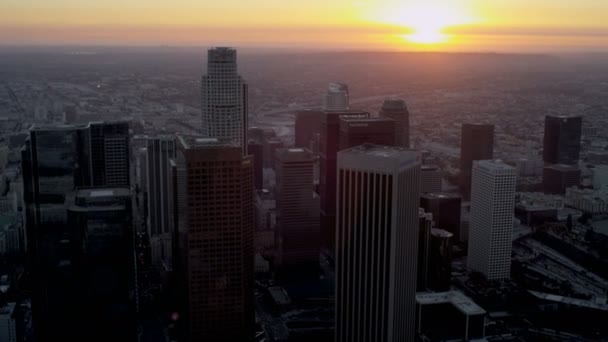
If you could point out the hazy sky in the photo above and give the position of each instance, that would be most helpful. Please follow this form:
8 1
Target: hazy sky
450 25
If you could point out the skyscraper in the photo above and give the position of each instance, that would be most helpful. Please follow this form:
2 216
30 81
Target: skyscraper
440 260
213 184
477 143
159 151
446 210
396 109
337 97
256 149
307 126
430 178
355 131
329 146
224 98
297 204
424 242
56 160
562 140
377 243
104 217
557 178
110 153
491 228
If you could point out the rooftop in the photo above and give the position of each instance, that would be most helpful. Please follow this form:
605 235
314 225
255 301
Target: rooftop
441 195
394 104
494 165
103 192
197 141
378 158
563 167
457 299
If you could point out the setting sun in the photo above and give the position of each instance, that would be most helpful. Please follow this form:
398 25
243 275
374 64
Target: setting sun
427 20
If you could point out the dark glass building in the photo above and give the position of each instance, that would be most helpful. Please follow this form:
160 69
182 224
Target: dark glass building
56 160
396 109
477 143
329 146
445 209
104 219
562 140
558 178
359 131
307 126
440 261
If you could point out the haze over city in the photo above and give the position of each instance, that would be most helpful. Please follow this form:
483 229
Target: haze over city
296 171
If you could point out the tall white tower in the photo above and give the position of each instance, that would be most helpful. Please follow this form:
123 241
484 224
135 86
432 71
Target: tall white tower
491 228
377 243
224 98
337 98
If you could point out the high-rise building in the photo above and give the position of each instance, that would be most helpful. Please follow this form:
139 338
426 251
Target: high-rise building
224 98
377 243
557 178
256 149
213 194
425 224
430 178
491 227
562 140
356 131
337 98
56 160
297 214
477 143
329 146
104 217
307 126
446 209
396 109
440 261
159 151
110 153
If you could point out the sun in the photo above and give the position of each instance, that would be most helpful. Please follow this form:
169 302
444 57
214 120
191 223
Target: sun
427 20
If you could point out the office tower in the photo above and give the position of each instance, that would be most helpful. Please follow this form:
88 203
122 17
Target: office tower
159 151
377 243
329 145
224 98
297 214
256 149
558 178
307 125
110 152
56 160
430 178
8 325
213 185
477 143
446 210
440 260
449 316
357 131
491 227
104 217
562 140
396 109
265 215
425 224
337 98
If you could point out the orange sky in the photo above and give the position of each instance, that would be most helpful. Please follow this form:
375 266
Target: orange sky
447 25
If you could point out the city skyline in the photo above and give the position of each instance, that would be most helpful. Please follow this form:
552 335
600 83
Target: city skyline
414 25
